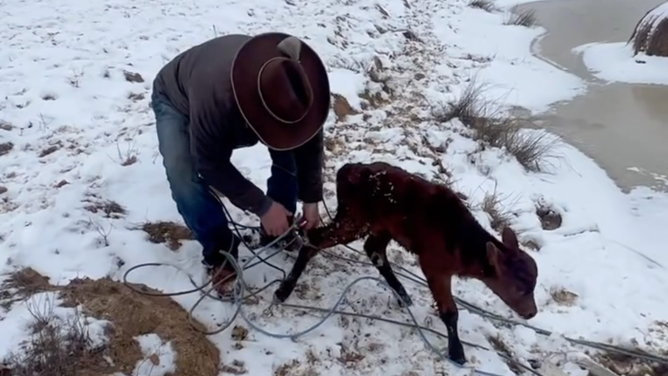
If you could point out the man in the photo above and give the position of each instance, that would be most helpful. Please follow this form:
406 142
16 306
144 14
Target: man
231 92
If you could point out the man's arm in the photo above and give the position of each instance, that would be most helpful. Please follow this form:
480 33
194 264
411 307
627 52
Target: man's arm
212 155
310 159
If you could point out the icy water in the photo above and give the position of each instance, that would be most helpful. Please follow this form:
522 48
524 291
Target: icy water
623 127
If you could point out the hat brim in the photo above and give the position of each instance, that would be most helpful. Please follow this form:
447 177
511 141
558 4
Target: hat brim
244 74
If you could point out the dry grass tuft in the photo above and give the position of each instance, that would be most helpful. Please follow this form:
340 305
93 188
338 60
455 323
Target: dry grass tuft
500 346
167 232
625 365
498 129
56 347
563 297
499 216
526 18
486 5
650 36
342 107
130 314
111 209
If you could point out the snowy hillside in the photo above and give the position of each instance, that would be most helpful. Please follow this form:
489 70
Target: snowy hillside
82 182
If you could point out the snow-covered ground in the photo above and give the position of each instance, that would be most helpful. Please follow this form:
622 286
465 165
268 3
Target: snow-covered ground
74 120
616 62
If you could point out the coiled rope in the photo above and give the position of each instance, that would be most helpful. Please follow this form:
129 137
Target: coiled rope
240 290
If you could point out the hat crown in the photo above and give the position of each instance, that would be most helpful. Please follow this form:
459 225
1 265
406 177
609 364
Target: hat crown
283 84
281 87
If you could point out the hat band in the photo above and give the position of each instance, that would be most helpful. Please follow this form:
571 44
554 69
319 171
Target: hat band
264 103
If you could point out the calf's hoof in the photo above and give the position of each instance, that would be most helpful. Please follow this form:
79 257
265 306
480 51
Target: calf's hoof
456 354
282 293
405 300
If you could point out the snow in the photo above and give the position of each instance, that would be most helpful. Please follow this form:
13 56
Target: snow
615 62
63 85
153 346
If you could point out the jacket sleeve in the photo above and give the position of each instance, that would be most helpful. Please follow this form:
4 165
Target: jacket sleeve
310 159
212 155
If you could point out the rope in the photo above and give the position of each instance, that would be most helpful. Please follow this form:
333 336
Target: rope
240 290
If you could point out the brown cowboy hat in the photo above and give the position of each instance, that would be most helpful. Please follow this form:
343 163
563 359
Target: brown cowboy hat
282 89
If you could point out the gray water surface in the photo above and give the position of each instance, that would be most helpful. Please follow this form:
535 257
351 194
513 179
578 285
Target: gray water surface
619 125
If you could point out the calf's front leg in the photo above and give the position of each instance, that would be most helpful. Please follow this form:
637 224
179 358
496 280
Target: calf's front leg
441 290
343 230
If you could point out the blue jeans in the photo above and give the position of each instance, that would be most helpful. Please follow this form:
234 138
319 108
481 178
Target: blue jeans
201 211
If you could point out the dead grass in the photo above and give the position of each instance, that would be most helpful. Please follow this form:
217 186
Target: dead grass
130 314
499 345
5 126
499 216
133 77
486 5
526 18
498 129
342 107
650 34
111 209
563 297
167 232
57 347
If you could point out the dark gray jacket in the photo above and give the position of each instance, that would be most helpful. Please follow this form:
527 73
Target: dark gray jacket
197 83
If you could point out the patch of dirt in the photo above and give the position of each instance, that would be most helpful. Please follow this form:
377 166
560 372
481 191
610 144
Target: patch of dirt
625 365
549 218
500 346
131 315
133 77
237 367
136 96
564 297
167 232
295 368
49 150
61 183
111 209
342 107
5 126
6 147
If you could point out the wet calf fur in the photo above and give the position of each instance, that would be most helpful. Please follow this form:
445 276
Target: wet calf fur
384 203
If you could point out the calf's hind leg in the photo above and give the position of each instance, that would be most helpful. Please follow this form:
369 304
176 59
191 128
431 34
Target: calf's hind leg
376 248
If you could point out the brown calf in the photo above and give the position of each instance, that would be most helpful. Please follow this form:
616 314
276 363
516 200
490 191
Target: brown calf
388 203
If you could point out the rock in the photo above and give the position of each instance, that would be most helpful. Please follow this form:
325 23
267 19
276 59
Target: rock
549 219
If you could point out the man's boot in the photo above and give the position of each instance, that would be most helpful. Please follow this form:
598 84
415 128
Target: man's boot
220 270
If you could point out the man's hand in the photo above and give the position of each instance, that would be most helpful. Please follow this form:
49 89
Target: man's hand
311 215
275 221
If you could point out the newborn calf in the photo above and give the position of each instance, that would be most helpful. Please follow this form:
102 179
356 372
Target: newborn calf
386 203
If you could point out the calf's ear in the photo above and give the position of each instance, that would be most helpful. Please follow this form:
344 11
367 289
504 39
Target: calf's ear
493 254
509 239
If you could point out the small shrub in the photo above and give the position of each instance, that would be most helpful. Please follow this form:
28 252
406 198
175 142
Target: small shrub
500 217
501 130
526 18
651 33
57 347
